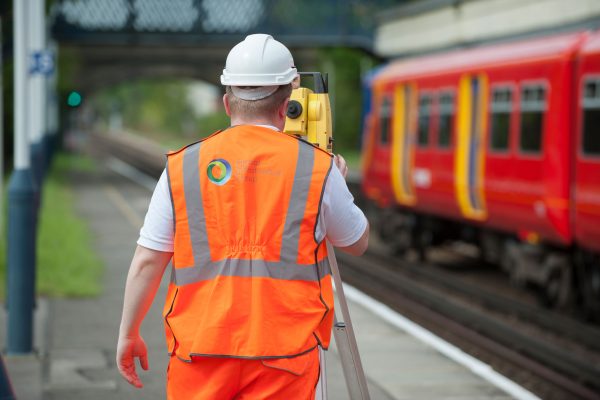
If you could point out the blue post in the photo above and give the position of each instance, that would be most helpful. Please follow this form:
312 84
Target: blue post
21 261
38 162
6 390
21 205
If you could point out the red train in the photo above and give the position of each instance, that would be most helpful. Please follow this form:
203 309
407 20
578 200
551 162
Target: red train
499 146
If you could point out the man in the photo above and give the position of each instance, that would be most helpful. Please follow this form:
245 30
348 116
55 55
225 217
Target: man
244 215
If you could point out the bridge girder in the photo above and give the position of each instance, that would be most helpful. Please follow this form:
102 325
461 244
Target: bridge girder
101 66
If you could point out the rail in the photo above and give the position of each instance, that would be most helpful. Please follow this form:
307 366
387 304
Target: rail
554 365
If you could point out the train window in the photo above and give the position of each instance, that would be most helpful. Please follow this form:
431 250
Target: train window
385 120
591 118
446 119
424 119
533 106
501 108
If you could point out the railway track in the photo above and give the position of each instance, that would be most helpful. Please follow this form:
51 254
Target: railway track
559 324
479 321
474 328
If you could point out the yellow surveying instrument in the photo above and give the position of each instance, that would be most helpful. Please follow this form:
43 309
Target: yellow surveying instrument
309 116
309 113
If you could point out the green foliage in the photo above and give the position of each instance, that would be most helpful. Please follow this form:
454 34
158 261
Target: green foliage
210 123
66 263
68 67
207 125
159 109
344 67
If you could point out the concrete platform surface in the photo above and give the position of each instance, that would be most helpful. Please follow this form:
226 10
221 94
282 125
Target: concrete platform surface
83 332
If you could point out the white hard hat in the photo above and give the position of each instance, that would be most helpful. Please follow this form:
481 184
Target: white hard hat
259 60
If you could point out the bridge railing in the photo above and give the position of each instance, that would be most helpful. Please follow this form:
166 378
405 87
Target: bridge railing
309 22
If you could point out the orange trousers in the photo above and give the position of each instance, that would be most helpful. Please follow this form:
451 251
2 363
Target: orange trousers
212 378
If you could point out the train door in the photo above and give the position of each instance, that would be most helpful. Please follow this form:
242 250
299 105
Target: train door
470 146
500 157
424 152
402 153
529 181
443 160
587 186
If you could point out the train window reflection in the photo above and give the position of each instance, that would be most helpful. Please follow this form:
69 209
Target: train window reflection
385 120
501 108
591 118
424 119
446 119
533 106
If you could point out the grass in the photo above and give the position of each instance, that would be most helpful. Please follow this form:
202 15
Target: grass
67 266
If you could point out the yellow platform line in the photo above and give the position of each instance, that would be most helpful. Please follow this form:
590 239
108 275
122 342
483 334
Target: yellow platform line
123 206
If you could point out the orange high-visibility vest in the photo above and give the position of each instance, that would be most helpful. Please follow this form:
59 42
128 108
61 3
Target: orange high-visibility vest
249 277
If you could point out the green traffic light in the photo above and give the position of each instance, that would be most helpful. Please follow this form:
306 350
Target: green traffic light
74 99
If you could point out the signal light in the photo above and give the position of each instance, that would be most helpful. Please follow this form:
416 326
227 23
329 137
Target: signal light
74 99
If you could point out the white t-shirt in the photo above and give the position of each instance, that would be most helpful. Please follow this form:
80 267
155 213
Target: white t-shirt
340 220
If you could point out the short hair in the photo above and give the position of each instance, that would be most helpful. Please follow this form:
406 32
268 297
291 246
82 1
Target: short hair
259 108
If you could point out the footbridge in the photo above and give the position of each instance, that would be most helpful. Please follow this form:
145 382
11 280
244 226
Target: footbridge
111 41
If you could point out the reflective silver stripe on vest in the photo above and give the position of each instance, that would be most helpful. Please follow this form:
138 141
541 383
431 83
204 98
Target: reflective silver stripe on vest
193 204
252 268
286 268
297 205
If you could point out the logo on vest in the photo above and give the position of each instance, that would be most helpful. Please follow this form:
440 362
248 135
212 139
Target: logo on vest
219 171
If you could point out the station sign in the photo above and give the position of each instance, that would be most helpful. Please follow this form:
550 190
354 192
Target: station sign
42 63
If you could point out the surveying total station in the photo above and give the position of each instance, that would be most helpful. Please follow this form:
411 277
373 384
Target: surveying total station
309 117
309 113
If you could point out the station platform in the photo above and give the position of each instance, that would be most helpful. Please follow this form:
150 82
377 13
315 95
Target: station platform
77 337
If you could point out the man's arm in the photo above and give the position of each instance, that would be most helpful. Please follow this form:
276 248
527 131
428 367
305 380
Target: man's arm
342 217
360 246
143 279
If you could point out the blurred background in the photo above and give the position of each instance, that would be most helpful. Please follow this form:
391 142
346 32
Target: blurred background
472 131
152 68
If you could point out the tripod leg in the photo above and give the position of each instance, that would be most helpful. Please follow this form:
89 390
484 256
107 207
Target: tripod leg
321 392
345 339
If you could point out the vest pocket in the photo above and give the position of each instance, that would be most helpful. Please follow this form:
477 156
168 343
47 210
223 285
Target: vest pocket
294 365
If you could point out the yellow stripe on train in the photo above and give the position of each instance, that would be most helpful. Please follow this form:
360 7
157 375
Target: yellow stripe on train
471 129
402 154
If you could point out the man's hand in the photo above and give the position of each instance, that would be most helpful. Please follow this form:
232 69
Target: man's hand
341 164
143 279
128 349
